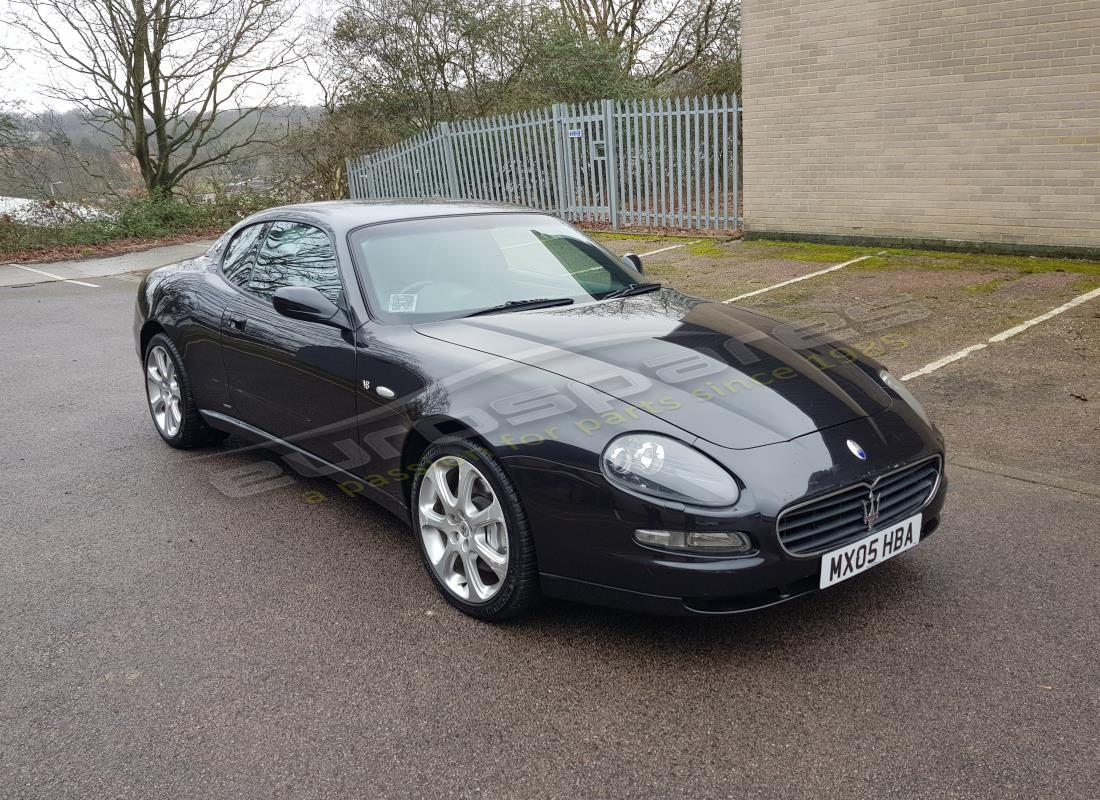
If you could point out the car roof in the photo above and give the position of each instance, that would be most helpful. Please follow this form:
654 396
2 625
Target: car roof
348 214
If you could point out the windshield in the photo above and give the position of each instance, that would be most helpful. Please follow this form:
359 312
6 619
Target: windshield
429 269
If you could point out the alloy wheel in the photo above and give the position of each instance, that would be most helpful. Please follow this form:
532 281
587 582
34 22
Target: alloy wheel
163 389
463 529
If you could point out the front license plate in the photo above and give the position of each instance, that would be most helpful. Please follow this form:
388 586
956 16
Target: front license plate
852 559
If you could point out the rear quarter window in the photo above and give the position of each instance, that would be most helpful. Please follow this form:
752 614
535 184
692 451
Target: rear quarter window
241 253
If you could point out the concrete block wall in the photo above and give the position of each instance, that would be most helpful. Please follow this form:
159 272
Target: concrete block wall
950 120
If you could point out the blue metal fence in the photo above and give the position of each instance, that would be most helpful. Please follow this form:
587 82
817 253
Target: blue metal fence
664 162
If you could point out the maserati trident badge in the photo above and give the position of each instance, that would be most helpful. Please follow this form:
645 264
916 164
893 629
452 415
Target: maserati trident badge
870 509
857 451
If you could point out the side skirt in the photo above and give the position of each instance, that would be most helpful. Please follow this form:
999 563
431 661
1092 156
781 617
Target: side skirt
232 425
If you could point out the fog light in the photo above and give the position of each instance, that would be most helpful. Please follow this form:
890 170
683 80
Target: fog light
699 541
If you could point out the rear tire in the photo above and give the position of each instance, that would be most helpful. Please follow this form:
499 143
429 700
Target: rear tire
171 403
473 533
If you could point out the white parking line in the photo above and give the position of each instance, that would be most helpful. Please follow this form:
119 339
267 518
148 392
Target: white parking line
1000 337
943 362
55 277
1023 326
670 247
801 278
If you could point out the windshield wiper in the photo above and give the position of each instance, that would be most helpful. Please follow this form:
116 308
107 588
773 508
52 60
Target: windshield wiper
634 288
519 305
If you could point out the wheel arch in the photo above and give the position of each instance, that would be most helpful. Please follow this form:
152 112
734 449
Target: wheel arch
150 329
426 432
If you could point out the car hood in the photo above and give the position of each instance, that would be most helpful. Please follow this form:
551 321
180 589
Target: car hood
728 375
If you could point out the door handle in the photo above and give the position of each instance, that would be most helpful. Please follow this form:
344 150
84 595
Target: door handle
234 322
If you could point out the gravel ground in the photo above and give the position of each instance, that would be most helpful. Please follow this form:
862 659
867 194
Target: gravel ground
160 639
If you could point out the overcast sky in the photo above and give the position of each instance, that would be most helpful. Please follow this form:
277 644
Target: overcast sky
20 82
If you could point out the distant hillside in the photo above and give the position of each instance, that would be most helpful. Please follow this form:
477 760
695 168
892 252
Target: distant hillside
66 156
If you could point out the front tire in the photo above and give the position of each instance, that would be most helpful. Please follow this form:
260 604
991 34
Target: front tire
473 533
171 404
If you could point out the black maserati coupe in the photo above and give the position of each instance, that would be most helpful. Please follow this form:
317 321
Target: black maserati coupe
548 421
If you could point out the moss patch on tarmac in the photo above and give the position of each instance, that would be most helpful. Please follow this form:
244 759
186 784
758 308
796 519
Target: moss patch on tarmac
1086 285
707 247
813 252
986 287
641 237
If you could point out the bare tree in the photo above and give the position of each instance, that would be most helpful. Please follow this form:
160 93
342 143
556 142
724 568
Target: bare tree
429 60
659 39
9 129
422 61
319 61
310 160
178 84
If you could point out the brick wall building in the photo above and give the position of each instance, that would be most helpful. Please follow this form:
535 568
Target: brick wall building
934 120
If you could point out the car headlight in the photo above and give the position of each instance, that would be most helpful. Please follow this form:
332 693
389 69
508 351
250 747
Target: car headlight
902 391
670 470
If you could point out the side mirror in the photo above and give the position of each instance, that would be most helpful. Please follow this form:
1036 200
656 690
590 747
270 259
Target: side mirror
305 302
634 260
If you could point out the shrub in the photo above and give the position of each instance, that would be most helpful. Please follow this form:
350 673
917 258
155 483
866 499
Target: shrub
131 219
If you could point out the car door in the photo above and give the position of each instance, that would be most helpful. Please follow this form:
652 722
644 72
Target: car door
291 378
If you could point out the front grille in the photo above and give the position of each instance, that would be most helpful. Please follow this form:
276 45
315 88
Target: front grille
837 518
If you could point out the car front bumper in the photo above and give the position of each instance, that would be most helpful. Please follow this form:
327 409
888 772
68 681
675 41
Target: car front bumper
584 527
713 586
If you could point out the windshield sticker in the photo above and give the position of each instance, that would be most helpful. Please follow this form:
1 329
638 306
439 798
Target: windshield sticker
402 302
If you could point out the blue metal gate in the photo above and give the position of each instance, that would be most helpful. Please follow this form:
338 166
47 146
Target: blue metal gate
665 162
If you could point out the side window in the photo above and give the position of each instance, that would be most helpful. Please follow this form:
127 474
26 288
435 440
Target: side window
295 254
237 265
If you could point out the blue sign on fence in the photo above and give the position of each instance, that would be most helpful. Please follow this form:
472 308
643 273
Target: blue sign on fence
574 133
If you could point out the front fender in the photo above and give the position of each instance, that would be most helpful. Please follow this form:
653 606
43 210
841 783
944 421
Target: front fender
186 301
522 414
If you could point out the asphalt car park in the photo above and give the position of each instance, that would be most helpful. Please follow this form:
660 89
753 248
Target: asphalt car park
214 624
